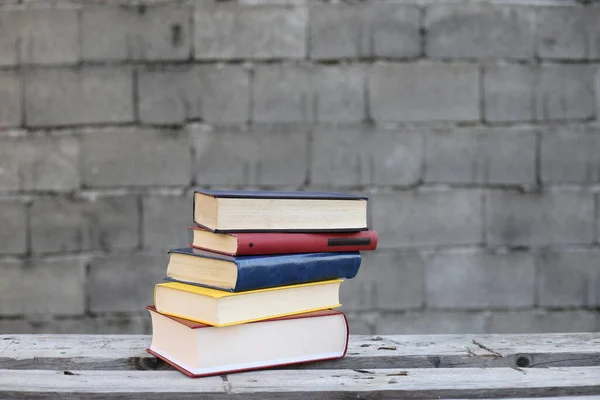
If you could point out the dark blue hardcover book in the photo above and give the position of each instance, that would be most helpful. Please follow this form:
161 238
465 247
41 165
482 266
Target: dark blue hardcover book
262 272
266 194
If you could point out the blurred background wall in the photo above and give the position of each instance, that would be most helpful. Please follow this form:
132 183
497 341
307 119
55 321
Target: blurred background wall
472 125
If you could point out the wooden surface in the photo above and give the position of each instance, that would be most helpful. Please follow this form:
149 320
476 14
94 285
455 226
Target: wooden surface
127 352
382 383
410 366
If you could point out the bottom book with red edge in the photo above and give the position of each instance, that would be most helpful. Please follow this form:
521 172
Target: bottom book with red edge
199 350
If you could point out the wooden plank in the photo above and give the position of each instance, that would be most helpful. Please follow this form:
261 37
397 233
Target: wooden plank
127 352
303 384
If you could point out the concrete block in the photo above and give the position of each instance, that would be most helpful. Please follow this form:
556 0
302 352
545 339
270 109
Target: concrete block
593 30
357 324
386 281
166 222
243 31
10 31
10 164
263 156
427 218
337 94
569 278
493 156
561 32
215 94
136 157
11 291
570 155
143 32
597 88
88 95
365 156
365 30
479 31
541 321
111 222
54 286
13 219
57 225
39 36
10 98
124 283
431 322
476 280
14 326
105 223
163 96
509 93
395 30
424 92
338 31
39 163
565 92
282 93
50 163
539 219
49 36
286 93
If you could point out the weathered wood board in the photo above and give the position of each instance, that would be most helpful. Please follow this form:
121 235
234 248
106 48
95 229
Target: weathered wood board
127 352
304 384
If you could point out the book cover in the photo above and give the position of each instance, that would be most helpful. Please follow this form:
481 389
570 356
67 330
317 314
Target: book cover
249 298
240 330
225 211
263 243
198 325
270 271
260 194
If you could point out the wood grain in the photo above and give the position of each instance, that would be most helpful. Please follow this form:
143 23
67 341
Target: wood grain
376 383
127 352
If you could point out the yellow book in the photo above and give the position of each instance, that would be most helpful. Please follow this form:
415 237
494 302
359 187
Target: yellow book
221 308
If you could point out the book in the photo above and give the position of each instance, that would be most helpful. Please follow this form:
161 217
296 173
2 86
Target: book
243 273
202 350
265 211
263 243
221 308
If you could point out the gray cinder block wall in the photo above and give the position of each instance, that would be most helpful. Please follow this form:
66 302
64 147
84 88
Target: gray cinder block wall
473 125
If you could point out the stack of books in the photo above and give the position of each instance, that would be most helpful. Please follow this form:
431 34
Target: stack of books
260 281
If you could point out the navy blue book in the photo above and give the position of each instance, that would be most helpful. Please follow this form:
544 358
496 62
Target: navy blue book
243 273
227 211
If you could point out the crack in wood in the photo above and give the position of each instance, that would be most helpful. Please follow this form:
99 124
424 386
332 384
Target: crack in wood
470 352
3 350
363 371
401 373
519 370
484 347
435 361
226 384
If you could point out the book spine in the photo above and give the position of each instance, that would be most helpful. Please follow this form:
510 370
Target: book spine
257 272
290 243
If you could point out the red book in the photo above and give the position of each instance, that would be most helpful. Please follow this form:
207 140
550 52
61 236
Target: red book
263 243
199 350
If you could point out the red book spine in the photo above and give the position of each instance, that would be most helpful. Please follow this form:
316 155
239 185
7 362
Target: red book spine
287 243
256 243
